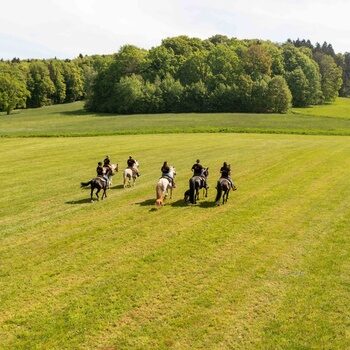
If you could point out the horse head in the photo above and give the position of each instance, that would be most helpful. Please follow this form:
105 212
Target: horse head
114 168
172 171
206 172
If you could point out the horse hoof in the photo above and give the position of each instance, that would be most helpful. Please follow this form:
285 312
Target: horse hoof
92 200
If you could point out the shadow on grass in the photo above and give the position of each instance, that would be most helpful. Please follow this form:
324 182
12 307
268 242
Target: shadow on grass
77 113
147 203
83 112
207 204
80 201
179 204
117 187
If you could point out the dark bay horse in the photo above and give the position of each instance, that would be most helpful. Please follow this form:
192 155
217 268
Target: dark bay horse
223 189
99 184
197 183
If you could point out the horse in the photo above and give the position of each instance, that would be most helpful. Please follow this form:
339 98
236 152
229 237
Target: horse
223 189
196 183
111 170
130 173
97 183
163 186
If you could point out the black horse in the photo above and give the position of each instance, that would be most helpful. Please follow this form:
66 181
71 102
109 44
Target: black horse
197 183
99 184
223 189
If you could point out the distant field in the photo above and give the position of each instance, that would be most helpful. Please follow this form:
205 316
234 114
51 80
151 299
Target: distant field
269 270
339 109
72 120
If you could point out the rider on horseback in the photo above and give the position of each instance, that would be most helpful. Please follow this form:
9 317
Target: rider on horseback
225 171
131 165
106 162
101 173
198 170
165 173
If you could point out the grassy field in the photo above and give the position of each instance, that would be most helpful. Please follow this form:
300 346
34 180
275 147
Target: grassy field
269 270
340 109
72 120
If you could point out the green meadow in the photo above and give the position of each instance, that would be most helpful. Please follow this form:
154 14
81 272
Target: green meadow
268 270
340 109
72 120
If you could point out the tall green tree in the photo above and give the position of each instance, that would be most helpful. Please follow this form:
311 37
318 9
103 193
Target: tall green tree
56 75
73 79
13 93
39 84
331 76
278 95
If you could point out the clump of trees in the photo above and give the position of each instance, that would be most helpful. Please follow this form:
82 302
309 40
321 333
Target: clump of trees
183 74
216 75
36 83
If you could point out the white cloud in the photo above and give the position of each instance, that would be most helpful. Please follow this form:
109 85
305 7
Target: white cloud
68 27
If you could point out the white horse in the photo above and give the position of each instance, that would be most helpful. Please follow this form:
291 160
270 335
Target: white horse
130 173
114 169
164 186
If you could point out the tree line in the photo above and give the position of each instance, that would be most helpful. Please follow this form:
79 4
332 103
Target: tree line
37 83
184 74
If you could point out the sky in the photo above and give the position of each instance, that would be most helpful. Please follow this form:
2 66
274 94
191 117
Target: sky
66 28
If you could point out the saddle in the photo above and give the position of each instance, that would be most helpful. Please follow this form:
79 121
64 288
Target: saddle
202 179
170 179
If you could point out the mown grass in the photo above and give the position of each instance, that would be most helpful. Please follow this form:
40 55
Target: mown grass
269 270
72 120
340 109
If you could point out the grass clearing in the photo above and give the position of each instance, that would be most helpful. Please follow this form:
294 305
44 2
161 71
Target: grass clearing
340 109
269 270
72 120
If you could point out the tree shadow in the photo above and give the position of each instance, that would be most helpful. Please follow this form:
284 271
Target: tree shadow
83 112
80 201
77 113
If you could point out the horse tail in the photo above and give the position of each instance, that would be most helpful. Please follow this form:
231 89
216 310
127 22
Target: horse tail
85 184
192 190
159 195
219 192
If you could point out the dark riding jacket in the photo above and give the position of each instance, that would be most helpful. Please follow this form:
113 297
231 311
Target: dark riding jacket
130 162
99 171
197 169
225 172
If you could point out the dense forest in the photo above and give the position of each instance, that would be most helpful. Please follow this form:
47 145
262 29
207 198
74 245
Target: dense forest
183 74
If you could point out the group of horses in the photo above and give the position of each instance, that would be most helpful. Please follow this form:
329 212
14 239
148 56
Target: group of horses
103 183
164 187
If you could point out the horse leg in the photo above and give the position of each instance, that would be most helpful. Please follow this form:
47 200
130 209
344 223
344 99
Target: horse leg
98 190
225 197
91 194
171 192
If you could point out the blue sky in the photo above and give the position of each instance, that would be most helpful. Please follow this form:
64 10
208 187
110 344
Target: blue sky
65 28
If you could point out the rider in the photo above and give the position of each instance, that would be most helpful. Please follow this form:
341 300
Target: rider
131 162
225 171
101 173
106 162
198 169
165 169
